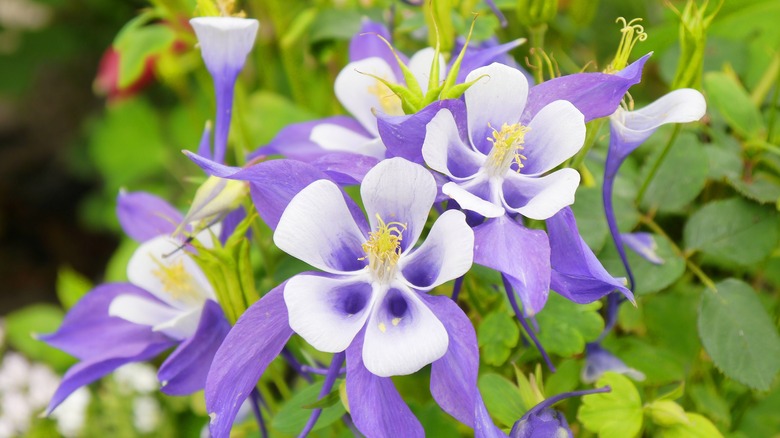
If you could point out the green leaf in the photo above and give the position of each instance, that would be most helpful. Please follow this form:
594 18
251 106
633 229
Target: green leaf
340 24
761 419
666 413
327 401
22 325
71 286
650 278
612 414
588 208
565 326
733 102
502 398
656 362
137 46
697 426
681 176
739 335
497 335
293 415
710 402
733 229
763 187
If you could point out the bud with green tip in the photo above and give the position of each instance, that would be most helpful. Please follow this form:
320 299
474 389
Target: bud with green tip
693 41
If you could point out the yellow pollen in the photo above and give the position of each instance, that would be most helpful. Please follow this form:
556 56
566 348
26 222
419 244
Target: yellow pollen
388 101
509 140
383 247
175 279
395 321
382 327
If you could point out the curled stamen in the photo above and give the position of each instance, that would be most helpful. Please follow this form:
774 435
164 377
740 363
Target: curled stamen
631 33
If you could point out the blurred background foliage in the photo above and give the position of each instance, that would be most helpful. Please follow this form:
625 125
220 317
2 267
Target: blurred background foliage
98 95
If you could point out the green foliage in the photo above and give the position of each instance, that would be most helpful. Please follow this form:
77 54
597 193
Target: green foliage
502 398
733 229
293 415
650 278
497 335
71 286
733 102
739 335
565 327
617 413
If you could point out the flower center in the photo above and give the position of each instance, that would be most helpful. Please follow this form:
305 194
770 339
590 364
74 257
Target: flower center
176 281
507 144
383 248
389 101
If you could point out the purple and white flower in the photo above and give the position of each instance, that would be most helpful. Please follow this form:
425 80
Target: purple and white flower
370 302
628 130
167 302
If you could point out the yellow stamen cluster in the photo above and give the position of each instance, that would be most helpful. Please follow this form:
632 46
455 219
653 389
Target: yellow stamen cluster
631 33
388 101
383 247
175 279
507 144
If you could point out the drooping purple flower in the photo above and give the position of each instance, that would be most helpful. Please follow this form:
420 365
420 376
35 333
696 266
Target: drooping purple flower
542 421
628 130
576 272
370 301
598 361
167 302
225 43
643 244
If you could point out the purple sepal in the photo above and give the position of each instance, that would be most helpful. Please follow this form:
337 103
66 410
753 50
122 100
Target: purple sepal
454 375
256 339
521 254
598 361
545 423
345 168
594 94
144 216
88 331
293 141
185 370
486 53
404 135
643 244
577 273
376 406
272 183
88 371
230 222
366 44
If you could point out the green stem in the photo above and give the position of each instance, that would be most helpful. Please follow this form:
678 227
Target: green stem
693 267
657 165
773 110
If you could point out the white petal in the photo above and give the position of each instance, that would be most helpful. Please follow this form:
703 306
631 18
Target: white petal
679 106
338 138
164 269
498 97
443 148
540 197
446 254
399 191
402 335
359 92
328 312
183 326
141 311
556 133
469 201
420 66
225 42
318 228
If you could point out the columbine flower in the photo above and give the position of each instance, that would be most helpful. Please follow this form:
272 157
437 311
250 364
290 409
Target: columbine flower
167 302
598 361
499 164
629 129
544 421
224 43
370 301
361 93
